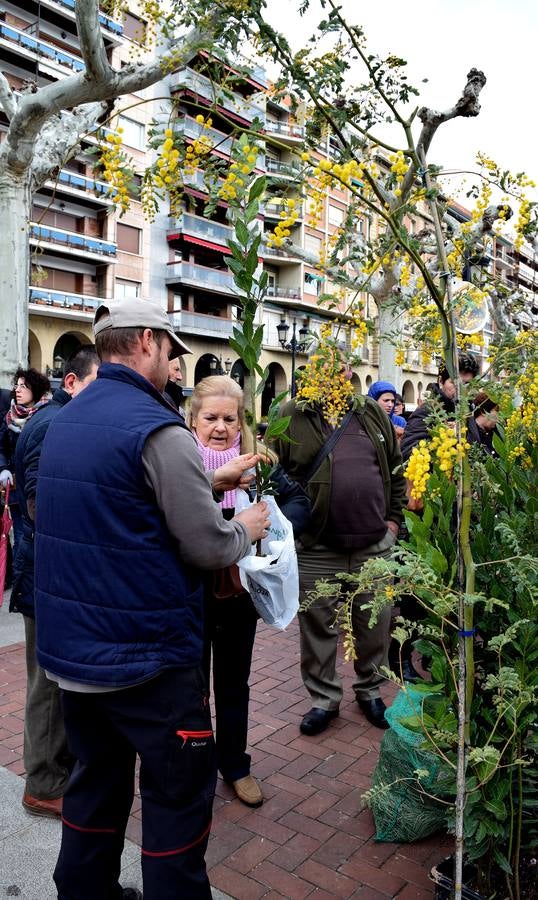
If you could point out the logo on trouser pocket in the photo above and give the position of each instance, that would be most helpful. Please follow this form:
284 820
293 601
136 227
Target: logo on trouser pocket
195 738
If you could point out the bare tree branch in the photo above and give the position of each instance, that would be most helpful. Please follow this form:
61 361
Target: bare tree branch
8 101
59 137
466 107
92 44
34 109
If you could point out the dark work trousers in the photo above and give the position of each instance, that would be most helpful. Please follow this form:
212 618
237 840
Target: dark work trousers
167 722
229 639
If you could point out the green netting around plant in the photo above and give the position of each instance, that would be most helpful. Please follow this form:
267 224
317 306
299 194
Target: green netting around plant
403 779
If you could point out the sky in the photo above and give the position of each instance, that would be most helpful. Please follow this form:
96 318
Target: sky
441 41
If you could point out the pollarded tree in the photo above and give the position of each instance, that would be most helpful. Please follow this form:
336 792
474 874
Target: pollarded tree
354 95
46 125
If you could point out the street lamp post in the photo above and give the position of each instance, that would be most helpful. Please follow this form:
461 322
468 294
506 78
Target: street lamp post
294 346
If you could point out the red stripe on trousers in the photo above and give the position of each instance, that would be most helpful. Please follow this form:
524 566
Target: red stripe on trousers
179 849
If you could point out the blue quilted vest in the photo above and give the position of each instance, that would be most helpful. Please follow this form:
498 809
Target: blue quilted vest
114 603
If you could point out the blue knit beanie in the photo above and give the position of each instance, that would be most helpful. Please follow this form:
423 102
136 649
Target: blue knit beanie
381 387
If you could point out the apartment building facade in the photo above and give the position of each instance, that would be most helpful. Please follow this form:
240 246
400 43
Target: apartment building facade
84 253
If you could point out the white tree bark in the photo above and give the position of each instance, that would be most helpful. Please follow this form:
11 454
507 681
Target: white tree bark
45 128
15 198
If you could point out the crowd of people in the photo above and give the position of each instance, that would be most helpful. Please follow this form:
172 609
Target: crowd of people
125 571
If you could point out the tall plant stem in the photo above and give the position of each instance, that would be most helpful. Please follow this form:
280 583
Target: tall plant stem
463 553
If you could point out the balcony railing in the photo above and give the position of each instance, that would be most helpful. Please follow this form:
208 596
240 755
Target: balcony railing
196 180
285 129
200 227
41 48
287 293
199 323
527 273
61 300
219 141
201 276
72 240
273 210
289 170
82 183
108 23
200 84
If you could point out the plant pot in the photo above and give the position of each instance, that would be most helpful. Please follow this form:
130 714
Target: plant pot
443 876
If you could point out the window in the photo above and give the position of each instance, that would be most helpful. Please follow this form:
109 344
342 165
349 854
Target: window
128 238
336 215
134 28
134 133
312 284
127 288
312 244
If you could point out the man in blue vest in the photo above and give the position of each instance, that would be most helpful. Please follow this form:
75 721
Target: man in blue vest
126 521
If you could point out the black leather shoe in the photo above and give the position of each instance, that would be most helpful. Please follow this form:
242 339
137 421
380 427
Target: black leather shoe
317 720
130 893
374 710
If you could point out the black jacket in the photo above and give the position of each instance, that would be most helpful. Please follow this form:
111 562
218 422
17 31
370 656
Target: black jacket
27 456
418 427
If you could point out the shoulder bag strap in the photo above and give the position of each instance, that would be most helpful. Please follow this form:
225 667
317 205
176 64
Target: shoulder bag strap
324 451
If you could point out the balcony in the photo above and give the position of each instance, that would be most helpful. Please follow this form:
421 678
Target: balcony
285 293
201 277
46 53
277 255
528 274
79 244
285 131
194 81
201 229
199 323
220 142
283 170
69 179
273 210
57 303
196 181
113 29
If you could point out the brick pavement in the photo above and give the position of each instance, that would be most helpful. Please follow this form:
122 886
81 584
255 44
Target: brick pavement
311 838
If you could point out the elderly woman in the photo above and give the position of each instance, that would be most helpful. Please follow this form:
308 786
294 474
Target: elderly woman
218 422
30 387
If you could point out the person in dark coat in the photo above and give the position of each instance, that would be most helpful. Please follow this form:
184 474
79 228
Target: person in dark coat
444 392
47 761
173 390
217 419
30 387
483 422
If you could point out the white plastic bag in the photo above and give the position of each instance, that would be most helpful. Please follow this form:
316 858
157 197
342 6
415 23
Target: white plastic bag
272 580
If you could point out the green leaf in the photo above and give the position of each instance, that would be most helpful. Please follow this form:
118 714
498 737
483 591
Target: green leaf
235 265
251 211
242 232
275 429
243 281
251 262
237 251
257 189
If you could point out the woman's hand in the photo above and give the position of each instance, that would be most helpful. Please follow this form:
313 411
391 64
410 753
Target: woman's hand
233 474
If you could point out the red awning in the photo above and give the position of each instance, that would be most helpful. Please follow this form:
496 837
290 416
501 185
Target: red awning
194 240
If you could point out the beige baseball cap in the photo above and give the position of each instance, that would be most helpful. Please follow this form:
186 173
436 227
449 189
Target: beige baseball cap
131 312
